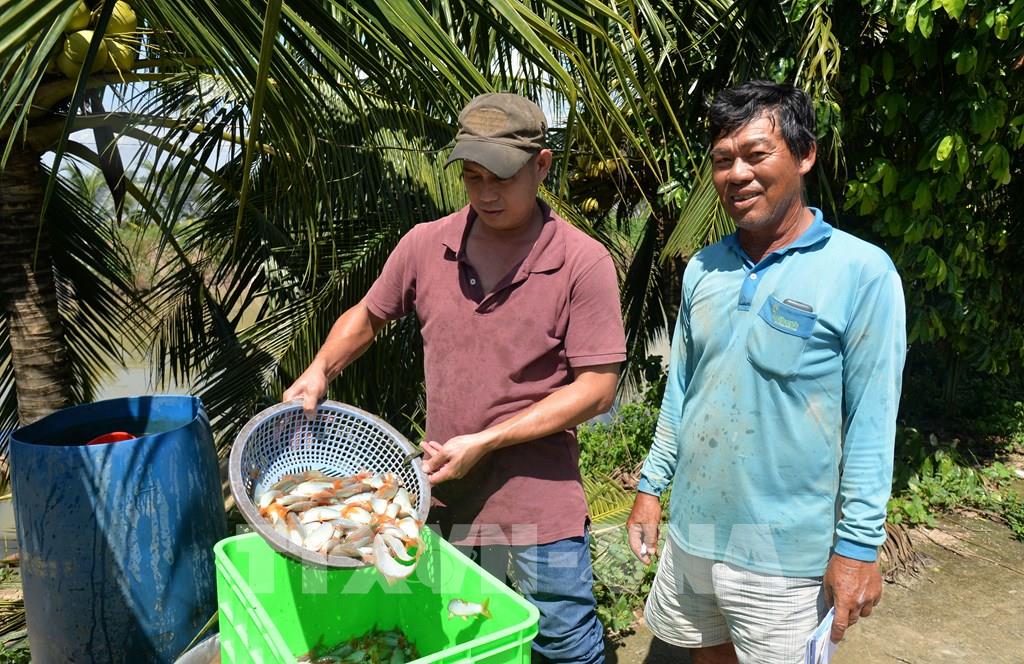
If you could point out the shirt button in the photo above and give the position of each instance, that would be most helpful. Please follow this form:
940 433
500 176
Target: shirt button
753 277
472 282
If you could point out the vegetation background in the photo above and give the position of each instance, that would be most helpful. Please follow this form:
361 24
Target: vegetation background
280 148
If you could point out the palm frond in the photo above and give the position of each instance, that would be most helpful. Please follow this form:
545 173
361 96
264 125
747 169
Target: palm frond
8 395
608 503
95 287
25 60
702 220
311 142
78 96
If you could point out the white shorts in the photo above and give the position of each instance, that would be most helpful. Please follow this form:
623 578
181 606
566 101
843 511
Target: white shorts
699 603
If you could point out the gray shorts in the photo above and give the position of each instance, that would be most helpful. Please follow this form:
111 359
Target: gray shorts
699 603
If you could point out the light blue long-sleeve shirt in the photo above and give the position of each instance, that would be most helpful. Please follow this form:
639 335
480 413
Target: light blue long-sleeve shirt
779 417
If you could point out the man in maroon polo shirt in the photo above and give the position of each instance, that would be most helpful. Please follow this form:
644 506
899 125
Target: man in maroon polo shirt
522 337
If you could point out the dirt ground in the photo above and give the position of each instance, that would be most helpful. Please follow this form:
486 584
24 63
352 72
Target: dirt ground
966 606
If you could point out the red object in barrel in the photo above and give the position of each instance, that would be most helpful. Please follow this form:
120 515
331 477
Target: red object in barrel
112 437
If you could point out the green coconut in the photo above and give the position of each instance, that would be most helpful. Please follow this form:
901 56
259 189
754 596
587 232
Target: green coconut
80 19
121 55
122 19
75 49
68 68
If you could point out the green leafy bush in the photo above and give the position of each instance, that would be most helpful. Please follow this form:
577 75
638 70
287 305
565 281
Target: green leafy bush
932 137
610 452
623 443
15 656
932 478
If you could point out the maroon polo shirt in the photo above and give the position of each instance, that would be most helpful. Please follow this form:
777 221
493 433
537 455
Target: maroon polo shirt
488 356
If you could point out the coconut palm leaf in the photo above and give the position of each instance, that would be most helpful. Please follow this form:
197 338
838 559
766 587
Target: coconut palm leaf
95 290
78 96
8 397
111 167
607 502
348 250
297 242
314 139
702 220
31 31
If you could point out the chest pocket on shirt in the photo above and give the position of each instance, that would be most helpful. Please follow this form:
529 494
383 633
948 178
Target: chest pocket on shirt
776 340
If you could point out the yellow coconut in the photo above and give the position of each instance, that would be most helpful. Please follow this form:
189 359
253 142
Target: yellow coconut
80 19
75 49
121 54
122 19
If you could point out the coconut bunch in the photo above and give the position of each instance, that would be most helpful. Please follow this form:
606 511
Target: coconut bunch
117 51
589 171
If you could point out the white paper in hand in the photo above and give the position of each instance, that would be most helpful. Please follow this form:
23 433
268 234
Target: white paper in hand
820 647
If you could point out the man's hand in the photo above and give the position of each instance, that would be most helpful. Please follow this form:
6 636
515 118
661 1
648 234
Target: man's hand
311 386
854 588
642 526
454 459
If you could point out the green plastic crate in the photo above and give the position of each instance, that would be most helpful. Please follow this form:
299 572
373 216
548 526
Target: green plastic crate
273 609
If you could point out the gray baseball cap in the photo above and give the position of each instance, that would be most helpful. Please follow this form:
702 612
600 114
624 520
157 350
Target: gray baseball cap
500 131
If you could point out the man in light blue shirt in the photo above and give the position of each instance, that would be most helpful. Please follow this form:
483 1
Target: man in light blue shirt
777 427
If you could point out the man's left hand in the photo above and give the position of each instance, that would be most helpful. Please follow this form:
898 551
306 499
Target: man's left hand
454 459
854 587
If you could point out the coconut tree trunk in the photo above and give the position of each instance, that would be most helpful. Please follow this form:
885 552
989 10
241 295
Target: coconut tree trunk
42 372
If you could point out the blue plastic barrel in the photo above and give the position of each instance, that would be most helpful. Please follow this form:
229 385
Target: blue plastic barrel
117 539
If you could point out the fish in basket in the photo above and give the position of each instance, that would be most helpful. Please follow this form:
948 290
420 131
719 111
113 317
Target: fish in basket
341 489
364 516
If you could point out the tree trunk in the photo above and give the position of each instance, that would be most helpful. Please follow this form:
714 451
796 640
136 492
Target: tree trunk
42 372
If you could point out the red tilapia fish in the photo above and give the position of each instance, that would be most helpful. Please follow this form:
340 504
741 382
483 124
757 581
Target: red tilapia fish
367 516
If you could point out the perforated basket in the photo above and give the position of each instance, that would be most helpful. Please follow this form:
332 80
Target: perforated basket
340 440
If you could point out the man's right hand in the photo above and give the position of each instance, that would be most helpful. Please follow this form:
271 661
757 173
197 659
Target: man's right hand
311 386
642 526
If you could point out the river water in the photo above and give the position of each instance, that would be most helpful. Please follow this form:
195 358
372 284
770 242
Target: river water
134 380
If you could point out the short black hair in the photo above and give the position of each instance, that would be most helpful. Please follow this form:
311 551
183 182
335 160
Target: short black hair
741 104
